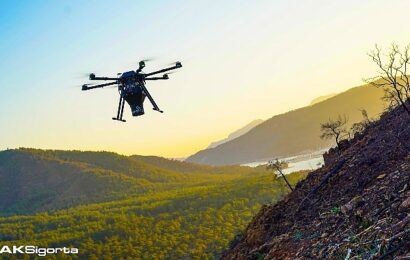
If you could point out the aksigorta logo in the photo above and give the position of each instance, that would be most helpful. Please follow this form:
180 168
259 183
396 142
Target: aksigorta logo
35 250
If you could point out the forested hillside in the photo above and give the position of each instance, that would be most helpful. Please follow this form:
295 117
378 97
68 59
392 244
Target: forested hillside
190 222
128 206
33 180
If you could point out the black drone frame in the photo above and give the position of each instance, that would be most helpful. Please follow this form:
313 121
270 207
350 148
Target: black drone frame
139 77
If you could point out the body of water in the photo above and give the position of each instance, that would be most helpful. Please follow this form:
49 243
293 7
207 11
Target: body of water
311 161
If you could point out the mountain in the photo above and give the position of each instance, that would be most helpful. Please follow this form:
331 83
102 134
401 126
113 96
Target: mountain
294 132
357 206
237 133
321 98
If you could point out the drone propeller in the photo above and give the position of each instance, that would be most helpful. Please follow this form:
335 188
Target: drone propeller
176 63
166 75
90 76
87 86
81 75
142 64
143 61
148 59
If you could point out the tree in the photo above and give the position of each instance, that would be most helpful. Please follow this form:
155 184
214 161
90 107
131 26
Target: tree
360 126
334 129
393 76
278 166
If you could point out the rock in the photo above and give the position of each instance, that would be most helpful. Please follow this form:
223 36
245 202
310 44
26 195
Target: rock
381 176
359 212
405 204
348 207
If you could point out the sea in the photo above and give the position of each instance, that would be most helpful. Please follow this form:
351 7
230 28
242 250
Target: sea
308 161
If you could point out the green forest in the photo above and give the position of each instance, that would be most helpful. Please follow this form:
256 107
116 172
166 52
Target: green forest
117 207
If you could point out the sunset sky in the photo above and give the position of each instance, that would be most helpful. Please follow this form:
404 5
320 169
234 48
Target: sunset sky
242 60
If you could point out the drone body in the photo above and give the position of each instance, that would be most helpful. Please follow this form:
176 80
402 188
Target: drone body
131 87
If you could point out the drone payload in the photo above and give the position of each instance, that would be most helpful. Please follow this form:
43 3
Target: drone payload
131 87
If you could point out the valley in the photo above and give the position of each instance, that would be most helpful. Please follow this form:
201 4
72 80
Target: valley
137 206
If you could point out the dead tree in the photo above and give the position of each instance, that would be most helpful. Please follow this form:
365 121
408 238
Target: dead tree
393 76
334 129
277 166
359 127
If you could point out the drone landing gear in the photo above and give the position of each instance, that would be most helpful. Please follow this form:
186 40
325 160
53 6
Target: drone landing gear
118 119
155 107
120 110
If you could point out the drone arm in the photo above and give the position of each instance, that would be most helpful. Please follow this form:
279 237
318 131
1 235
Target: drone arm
156 78
102 78
177 66
85 87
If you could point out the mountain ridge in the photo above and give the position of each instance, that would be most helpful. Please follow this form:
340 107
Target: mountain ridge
241 131
294 132
321 98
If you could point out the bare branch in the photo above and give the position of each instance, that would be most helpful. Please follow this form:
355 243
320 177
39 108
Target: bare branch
334 129
392 75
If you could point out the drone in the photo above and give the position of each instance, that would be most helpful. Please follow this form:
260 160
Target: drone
131 87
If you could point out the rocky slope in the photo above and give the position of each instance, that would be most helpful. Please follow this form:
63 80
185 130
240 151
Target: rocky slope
357 206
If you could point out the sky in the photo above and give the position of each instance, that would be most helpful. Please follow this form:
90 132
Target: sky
242 60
